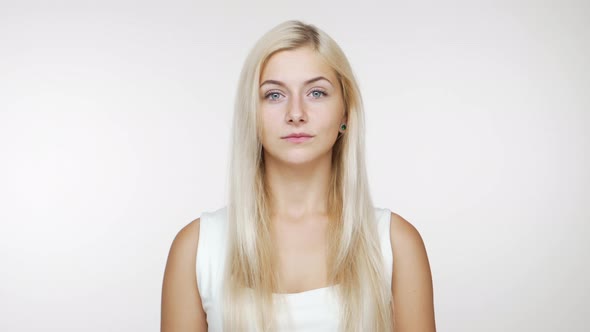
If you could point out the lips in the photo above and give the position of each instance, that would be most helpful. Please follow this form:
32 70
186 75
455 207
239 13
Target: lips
299 139
297 135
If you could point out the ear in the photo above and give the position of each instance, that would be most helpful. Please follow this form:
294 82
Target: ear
344 119
343 122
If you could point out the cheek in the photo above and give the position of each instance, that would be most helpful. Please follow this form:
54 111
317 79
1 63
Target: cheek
333 111
269 122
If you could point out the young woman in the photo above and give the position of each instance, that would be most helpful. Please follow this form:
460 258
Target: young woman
299 247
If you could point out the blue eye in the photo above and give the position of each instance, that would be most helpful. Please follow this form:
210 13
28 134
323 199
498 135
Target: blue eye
318 93
273 95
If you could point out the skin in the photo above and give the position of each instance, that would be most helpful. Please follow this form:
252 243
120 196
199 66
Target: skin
298 174
411 284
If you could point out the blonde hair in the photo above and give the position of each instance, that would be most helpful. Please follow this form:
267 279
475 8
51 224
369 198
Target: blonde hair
355 262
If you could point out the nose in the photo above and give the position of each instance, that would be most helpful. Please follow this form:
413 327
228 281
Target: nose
295 112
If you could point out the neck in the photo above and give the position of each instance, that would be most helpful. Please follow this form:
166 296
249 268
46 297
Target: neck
299 190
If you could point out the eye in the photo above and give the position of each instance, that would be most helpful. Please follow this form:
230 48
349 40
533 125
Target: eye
317 93
273 95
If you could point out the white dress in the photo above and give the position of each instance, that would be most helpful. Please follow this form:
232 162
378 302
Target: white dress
310 311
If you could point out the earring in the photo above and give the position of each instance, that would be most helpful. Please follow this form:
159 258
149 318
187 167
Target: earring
343 127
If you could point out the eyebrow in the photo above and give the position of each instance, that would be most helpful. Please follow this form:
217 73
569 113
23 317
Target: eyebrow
315 79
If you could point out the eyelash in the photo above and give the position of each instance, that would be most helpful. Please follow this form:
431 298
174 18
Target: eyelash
271 92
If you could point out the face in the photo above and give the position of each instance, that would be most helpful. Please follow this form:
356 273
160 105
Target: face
299 94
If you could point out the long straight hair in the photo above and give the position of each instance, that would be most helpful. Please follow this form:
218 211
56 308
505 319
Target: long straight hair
355 262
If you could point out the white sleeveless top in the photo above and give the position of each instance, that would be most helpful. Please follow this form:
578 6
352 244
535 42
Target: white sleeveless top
313 310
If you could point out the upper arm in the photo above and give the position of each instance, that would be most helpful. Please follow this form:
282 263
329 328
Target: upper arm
411 285
181 303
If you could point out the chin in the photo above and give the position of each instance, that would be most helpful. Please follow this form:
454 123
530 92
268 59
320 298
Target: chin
297 156
302 159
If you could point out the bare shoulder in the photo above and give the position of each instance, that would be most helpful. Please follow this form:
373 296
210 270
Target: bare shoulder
404 236
181 302
411 283
183 251
188 236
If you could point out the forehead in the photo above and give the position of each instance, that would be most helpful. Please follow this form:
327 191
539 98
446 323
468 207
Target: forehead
297 65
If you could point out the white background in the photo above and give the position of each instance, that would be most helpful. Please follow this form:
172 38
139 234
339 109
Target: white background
115 125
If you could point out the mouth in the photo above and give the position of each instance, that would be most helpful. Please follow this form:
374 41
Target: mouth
297 139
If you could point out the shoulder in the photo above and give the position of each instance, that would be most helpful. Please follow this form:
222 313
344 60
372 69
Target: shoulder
407 246
181 303
411 284
185 243
404 236
183 251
